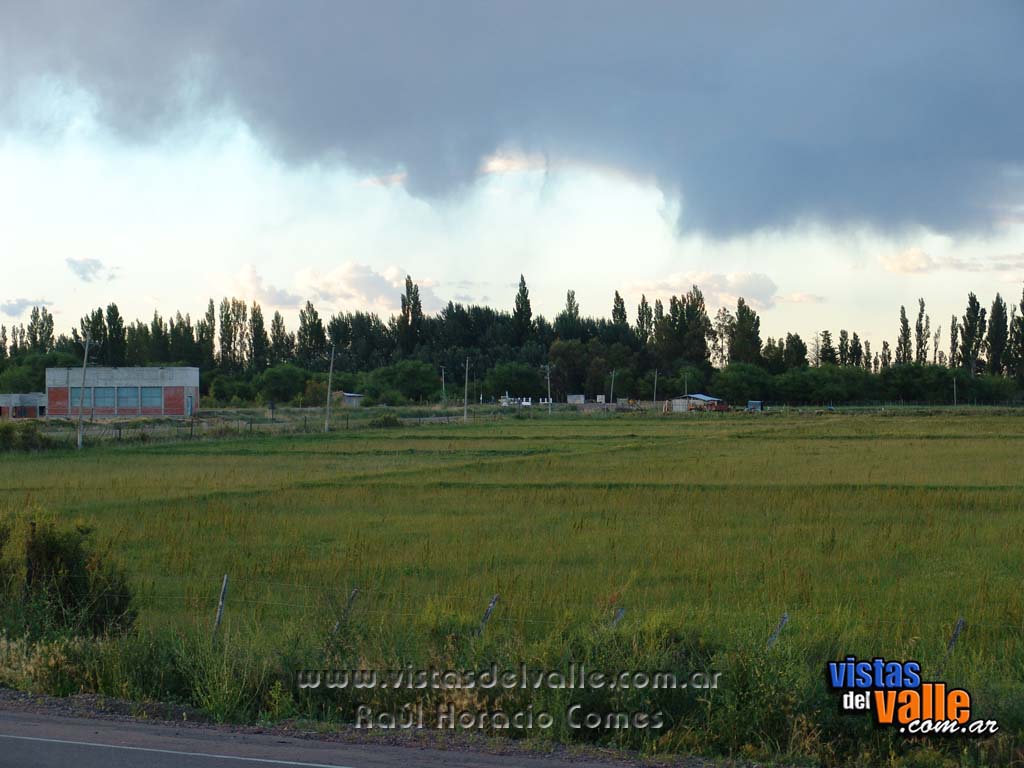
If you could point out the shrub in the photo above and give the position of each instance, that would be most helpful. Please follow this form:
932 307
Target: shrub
67 589
385 420
23 436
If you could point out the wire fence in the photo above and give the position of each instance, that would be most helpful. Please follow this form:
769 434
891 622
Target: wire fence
250 597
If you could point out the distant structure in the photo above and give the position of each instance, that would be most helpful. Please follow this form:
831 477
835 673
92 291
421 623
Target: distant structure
754 406
576 399
696 402
30 405
109 392
505 401
351 399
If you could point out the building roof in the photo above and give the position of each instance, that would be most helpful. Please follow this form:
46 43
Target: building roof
702 398
104 376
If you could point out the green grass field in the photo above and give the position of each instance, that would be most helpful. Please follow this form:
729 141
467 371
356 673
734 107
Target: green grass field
874 532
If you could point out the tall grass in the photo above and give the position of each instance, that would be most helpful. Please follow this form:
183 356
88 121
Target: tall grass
874 533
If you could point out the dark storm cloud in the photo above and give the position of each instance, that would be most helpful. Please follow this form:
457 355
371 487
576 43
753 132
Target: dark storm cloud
758 114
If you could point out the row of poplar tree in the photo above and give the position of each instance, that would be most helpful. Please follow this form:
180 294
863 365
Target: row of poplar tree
233 342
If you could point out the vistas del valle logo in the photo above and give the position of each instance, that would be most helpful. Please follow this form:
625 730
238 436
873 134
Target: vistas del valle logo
895 694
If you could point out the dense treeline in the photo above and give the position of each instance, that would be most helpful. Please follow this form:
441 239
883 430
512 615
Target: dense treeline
414 356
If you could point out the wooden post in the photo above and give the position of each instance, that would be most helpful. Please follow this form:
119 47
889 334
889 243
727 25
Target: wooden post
220 606
487 615
330 381
961 625
29 562
465 396
81 389
348 609
778 630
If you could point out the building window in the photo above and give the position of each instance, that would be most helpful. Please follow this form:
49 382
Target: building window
128 397
76 397
103 397
152 397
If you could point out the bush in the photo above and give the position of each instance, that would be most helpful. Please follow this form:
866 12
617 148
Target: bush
21 436
385 420
66 590
281 383
518 379
413 379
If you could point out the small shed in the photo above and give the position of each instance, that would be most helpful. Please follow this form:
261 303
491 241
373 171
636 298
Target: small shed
754 406
351 399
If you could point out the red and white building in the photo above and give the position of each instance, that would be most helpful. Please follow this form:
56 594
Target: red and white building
108 392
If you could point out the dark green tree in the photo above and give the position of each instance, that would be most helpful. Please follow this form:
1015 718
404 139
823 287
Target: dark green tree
619 310
795 355
40 330
644 321
522 314
773 356
826 351
259 341
856 351
972 334
206 334
745 339
282 343
904 350
311 340
117 338
998 336
410 321
954 342
567 322
922 334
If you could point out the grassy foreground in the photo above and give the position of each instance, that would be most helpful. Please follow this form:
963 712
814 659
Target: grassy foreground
873 532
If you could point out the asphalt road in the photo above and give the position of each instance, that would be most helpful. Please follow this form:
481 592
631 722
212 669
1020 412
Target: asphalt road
31 740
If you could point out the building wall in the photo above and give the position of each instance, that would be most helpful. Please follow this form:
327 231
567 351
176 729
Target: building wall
29 405
123 392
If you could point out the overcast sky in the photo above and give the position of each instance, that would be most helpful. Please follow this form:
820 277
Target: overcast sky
828 161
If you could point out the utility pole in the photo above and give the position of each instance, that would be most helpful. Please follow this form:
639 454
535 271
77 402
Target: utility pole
81 389
613 386
686 383
465 396
547 373
954 389
444 395
330 380
655 389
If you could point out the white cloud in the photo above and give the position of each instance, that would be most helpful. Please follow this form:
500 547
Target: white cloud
18 307
802 298
912 261
252 286
352 286
915 261
89 270
756 288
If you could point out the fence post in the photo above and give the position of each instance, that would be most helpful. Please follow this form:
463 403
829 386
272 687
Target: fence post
348 609
487 615
778 630
618 616
220 607
961 625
